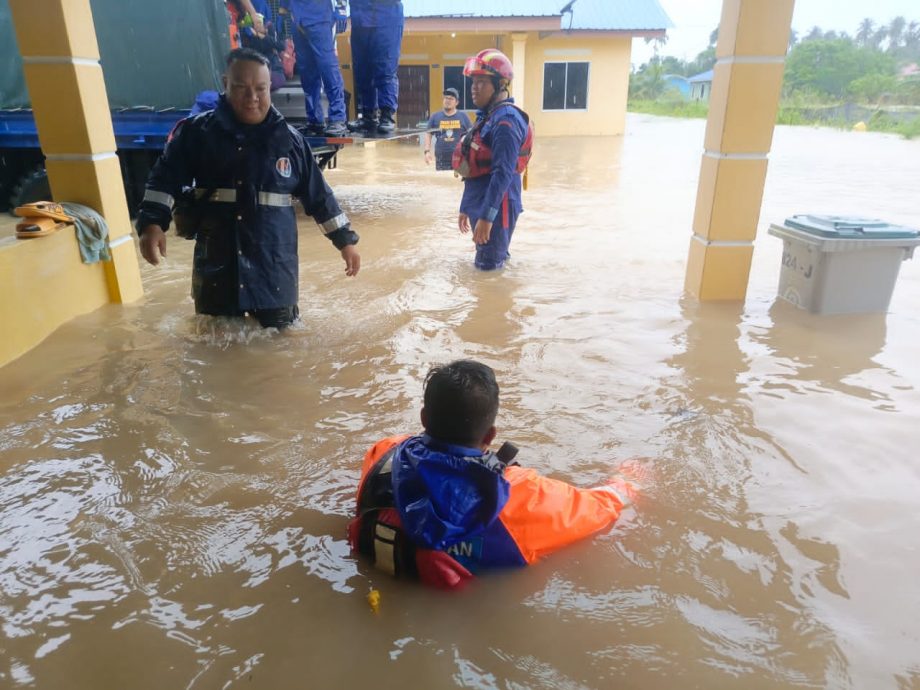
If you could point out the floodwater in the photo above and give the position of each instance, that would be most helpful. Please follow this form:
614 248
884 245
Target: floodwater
174 490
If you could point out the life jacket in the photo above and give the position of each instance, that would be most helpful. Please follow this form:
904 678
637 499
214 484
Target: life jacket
234 11
377 531
473 158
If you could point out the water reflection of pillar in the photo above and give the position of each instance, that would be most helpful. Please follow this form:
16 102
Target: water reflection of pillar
752 565
747 80
825 349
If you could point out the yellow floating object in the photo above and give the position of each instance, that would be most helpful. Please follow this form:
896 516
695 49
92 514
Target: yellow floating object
859 127
373 598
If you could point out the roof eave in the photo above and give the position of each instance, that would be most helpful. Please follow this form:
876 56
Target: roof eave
481 24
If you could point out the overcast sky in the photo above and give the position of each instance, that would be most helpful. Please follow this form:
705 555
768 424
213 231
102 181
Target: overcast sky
695 19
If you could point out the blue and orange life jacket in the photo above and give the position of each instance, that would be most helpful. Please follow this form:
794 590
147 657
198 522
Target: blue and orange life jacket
473 157
419 495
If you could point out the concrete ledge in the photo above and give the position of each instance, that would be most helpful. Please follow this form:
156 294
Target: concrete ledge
43 284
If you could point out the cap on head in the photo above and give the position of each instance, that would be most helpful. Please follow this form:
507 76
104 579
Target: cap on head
452 92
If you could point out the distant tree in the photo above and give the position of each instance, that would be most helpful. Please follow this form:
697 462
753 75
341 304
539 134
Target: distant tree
876 40
828 67
870 88
896 32
815 34
912 41
793 39
865 31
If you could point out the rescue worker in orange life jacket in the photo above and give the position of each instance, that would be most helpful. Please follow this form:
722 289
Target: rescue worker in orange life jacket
439 506
503 134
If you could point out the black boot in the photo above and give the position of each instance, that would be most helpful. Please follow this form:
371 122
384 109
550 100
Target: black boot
336 129
387 122
364 123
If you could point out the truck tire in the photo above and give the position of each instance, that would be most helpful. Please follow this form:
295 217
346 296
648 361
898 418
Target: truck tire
32 186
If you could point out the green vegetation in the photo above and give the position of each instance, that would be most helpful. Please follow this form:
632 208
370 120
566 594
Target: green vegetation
830 79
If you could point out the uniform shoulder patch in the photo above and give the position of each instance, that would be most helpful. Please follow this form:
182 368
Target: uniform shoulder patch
283 166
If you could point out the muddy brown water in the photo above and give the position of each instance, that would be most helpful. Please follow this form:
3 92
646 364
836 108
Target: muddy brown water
174 490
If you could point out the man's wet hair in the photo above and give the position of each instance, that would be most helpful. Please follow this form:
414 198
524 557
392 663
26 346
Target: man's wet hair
461 402
246 55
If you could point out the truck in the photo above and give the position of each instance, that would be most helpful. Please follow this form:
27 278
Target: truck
156 57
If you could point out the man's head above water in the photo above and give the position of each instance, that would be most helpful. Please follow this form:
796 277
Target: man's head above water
247 85
461 403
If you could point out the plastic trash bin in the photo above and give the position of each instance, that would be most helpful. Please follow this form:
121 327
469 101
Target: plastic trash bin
836 265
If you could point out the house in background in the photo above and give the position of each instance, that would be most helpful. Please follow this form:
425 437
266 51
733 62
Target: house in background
679 83
701 86
571 59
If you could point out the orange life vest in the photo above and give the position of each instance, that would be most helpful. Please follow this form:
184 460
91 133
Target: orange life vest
473 158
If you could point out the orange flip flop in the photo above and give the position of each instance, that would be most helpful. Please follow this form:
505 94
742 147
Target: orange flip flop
38 227
43 209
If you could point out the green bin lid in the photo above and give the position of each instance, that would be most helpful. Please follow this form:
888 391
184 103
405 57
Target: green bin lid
841 227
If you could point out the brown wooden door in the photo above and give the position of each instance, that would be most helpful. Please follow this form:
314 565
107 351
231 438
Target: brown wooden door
414 95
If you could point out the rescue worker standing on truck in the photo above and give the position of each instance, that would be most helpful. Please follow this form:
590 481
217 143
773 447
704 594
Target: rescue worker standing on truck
313 25
376 40
246 165
490 158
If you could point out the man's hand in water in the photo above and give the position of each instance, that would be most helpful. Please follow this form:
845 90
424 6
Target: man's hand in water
352 260
153 244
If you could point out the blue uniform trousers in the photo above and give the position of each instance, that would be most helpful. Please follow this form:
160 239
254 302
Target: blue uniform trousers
375 58
494 253
319 66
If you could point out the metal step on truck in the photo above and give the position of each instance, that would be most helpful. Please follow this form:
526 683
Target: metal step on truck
157 57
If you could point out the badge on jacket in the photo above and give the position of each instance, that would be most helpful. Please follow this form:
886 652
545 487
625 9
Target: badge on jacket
283 166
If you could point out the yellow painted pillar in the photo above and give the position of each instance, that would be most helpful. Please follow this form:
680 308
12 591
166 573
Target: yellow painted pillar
60 57
747 80
519 60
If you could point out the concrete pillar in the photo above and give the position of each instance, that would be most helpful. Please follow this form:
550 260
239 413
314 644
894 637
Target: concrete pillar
60 57
747 80
519 60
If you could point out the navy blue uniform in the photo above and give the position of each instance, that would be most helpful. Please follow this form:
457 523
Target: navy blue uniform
497 196
314 44
246 243
376 38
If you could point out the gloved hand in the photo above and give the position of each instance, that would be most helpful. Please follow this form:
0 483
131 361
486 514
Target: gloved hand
341 17
437 569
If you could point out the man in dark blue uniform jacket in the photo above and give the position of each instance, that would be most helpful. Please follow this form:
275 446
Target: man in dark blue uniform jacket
246 165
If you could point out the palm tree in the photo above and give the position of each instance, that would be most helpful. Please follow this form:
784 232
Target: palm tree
896 32
878 38
912 36
864 32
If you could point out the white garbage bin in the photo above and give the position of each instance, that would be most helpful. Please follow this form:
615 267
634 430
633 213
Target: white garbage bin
835 265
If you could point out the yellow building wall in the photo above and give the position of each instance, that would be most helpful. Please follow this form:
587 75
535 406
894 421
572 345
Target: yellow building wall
608 83
608 73
44 284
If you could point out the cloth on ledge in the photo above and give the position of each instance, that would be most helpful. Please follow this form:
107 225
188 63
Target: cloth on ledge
92 232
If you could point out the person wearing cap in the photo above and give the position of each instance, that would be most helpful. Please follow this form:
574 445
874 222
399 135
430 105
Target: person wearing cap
445 128
490 158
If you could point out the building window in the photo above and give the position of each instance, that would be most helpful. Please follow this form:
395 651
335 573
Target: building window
453 77
565 86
